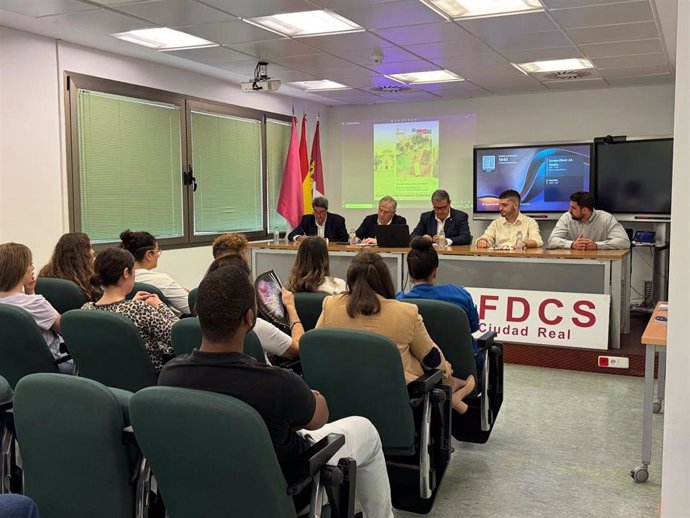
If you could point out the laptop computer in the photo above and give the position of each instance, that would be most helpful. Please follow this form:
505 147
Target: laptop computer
644 238
393 236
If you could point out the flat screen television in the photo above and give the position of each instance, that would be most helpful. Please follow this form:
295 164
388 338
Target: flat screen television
545 176
633 178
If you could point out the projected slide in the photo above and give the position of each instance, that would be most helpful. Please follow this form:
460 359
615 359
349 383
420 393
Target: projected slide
406 159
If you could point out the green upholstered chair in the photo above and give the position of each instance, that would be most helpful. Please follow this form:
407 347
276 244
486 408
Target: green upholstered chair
448 326
186 336
361 373
22 347
7 434
76 464
62 294
191 300
309 308
229 469
142 286
108 348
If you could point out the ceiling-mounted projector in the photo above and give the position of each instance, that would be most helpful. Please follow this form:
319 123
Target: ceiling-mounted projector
261 81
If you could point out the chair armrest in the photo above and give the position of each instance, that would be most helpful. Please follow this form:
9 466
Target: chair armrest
314 459
425 383
486 340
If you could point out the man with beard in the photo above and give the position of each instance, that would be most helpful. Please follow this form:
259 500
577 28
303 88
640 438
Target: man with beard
583 228
503 232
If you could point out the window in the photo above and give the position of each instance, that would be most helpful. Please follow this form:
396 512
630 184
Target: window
183 169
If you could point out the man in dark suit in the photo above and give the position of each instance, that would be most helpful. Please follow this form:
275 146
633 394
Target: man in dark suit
452 221
385 216
321 223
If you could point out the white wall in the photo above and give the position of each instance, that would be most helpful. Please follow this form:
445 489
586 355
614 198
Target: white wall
33 196
675 488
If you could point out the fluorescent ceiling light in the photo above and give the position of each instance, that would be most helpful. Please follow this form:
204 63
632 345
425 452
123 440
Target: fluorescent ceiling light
432 76
307 23
317 86
554 65
163 38
459 9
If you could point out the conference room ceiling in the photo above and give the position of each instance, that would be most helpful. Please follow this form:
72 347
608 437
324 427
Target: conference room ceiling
628 42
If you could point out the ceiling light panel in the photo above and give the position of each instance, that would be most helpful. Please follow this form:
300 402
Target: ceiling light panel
431 76
163 39
554 65
320 86
307 23
464 9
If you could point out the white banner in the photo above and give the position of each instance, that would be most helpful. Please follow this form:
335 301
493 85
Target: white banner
544 317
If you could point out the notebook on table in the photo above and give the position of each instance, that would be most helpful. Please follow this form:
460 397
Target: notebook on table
393 236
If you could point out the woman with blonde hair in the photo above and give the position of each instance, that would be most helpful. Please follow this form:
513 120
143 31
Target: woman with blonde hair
72 259
231 244
370 305
311 272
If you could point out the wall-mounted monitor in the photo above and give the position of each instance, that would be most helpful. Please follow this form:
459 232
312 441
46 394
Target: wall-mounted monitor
545 176
633 179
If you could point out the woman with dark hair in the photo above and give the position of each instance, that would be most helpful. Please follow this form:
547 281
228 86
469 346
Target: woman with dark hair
115 272
422 265
144 247
370 305
310 271
72 259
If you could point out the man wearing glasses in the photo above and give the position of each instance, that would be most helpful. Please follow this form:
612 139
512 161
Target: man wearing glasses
444 225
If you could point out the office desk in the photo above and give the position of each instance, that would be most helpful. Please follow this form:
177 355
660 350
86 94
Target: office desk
654 339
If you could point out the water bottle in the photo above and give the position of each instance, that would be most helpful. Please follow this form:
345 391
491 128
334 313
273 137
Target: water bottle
519 243
352 239
276 236
442 243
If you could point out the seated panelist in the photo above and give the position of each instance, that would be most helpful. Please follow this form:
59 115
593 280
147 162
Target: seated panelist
453 222
504 230
366 233
321 223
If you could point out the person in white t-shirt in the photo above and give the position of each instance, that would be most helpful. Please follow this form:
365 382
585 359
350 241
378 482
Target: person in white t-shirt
311 273
144 247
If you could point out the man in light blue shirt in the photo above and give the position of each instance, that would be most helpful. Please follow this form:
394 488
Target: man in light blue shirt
583 228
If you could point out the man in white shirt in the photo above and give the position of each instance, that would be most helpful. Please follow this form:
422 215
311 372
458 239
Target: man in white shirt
583 228
321 223
443 225
503 232
366 233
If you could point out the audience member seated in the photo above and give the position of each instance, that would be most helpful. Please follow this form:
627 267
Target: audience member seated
503 232
17 284
422 264
231 244
17 506
366 233
583 228
311 272
295 416
321 223
452 222
72 259
370 305
115 272
144 247
273 340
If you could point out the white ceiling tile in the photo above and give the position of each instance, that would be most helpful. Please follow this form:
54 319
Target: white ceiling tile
610 73
528 41
528 56
312 62
513 87
210 56
405 67
256 8
346 42
606 14
506 25
496 73
363 57
444 49
612 33
639 60
176 13
99 21
425 33
566 4
230 33
471 61
579 84
410 95
346 4
457 89
274 49
115 3
36 8
623 48
641 80
390 14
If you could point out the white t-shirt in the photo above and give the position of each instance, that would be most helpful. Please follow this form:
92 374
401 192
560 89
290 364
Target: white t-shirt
332 286
176 294
42 312
272 339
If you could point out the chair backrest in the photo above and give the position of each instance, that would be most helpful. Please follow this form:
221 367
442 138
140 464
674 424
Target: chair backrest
186 336
361 373
23 349
228 469
150 288
74 460
62 294
449 328
6 392
108 348
191 300
309 308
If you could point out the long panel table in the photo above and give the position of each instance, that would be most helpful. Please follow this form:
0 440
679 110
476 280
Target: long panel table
575 271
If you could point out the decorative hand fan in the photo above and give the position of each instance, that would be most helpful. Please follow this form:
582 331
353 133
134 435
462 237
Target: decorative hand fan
269 299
